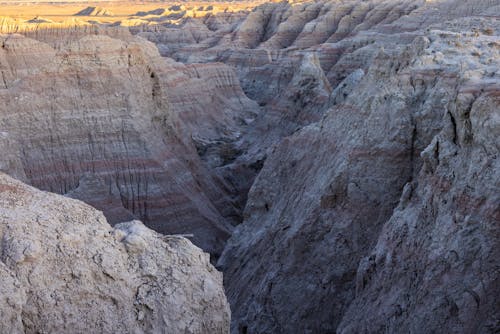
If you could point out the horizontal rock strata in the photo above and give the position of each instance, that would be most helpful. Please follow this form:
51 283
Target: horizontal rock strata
355 141
94 120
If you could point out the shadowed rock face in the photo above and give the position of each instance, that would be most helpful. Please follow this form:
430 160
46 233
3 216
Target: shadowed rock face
327 193
382 83
367 221
288 57
65 270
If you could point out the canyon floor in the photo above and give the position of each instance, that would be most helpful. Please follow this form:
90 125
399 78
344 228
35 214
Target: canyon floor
250 167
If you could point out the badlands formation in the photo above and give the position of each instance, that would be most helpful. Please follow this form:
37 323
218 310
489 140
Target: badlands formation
337 159
64 269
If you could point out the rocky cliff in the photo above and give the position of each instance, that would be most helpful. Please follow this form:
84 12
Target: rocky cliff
110 122
347 149
65 270
383 216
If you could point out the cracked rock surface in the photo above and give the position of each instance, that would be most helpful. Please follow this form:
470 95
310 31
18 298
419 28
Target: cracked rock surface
64 269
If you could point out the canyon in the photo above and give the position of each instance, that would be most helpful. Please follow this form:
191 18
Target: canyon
337 161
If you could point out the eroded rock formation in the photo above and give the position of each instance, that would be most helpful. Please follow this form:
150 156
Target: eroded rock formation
110 122
94 11
357 222
64 269
355 141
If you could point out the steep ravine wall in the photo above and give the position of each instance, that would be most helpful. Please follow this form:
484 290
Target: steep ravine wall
94 120
364 172
383 216
366 130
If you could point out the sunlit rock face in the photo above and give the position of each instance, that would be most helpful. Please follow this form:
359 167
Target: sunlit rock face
94 11
64 269
111 122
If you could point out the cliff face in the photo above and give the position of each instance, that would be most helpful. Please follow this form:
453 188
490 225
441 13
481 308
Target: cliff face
356 142
376 218
93 120
65 270
435 262
288 57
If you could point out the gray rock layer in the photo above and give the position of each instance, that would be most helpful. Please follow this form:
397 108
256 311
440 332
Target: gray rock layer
375 124
383 216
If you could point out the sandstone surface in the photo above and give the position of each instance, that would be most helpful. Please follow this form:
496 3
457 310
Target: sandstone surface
65 270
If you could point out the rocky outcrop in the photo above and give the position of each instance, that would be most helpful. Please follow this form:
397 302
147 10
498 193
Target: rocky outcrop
9 25
64 269
435 264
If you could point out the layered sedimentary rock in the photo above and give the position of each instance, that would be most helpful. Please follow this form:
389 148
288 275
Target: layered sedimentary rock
435 264
288 58
371 133
92 119
377 218
65 270
328 193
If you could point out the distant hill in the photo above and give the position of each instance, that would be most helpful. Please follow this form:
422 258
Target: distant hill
158 11
94 11
54 1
